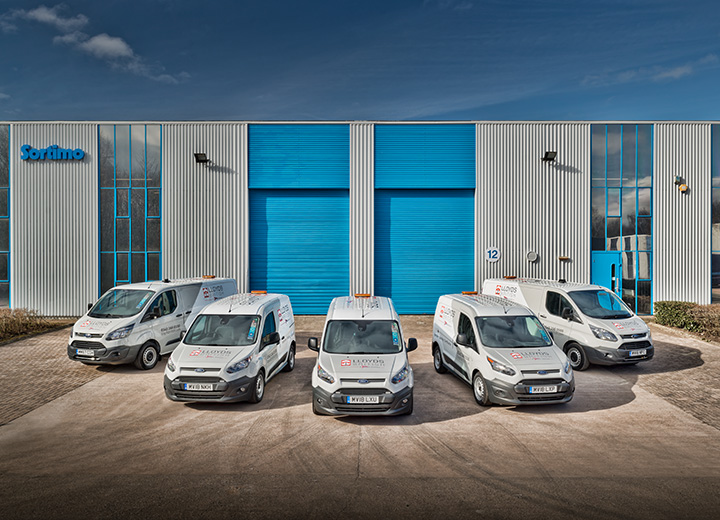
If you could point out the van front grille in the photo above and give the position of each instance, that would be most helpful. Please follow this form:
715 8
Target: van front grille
88 344
635 346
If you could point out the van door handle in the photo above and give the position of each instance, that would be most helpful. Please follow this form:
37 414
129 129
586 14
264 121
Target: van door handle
543 316
188 312
283 337
178 315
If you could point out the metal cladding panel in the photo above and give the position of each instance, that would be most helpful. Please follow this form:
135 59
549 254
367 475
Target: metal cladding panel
54 250
299 156
526 204
425 156
299 245
361 208
681 227
204 206
424 246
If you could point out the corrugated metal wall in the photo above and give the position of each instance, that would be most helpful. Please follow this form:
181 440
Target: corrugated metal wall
362 209
205 206
527 204
681 226
54 217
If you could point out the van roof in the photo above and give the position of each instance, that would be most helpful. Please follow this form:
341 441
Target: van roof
159 285
483 304
567 286
241 303
354 308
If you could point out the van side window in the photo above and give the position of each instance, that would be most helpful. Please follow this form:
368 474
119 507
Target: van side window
166 303
269 325
465 327
555 303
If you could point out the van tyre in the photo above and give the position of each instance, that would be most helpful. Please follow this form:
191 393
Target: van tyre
438 362
480 390
147 358
258 388
577 356
290 359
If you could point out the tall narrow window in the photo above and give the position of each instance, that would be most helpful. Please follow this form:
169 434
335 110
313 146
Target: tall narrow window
4 216
130 177
621 205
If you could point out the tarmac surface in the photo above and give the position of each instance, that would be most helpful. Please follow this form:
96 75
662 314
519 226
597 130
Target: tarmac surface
104 442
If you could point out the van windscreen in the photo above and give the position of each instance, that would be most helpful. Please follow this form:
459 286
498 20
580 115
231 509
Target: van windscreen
120 303
600 304
223 330
512 331
362 337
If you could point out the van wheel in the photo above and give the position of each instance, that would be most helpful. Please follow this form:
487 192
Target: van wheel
258 388
147 358
480 390
438 362
290 360
577 356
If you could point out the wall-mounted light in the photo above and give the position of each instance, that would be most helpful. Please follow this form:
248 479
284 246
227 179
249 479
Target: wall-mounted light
201 158
549 156
564 258
683 188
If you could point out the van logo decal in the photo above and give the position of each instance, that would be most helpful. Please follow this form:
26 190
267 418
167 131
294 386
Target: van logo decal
195 352
363 381
345 363
516 355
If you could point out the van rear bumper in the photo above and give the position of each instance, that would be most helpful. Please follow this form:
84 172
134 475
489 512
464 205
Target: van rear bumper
620 356
102 355
389 403
505 393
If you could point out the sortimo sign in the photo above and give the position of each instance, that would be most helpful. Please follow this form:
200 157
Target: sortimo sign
52 153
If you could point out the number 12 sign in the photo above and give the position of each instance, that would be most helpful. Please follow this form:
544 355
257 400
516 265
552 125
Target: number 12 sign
492 254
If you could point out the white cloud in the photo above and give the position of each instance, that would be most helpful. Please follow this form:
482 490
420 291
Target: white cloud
47 15
674 73
656 73
106 47
4 96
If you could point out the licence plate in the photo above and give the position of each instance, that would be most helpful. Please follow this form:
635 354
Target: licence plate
543 389
363 399
84 352
201 387
641 352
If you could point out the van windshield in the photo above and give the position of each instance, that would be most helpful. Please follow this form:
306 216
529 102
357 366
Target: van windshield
120 303
512 332
600 304
224 330
362 337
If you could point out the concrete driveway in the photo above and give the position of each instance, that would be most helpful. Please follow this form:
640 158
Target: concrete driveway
636 442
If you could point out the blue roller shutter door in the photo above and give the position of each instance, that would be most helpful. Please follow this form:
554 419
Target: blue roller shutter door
424 213
299 213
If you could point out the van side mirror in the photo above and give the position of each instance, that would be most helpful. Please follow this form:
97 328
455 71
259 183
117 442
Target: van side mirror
90 306
412 344
568 314
462 340
271 339
313 344
182 334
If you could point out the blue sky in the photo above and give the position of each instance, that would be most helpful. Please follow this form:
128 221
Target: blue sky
360 60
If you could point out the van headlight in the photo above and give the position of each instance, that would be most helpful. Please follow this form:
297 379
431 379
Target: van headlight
171 365
401 376
501 367
567 367
603 334
120 333
240 365
325 375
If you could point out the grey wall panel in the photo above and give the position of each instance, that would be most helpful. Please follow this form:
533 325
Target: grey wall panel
526 204
205 206
54 220
681 225
362 167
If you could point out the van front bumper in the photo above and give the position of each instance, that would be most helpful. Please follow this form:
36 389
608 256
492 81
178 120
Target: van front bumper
622 355
388 403
222 391
102 355
502 392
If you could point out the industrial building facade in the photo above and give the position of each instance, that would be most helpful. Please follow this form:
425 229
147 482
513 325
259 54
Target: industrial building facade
316 210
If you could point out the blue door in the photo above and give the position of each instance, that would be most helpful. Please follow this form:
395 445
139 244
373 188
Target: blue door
606 270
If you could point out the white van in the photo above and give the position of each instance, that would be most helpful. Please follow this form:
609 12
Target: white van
362 365
501 349
139 322
232 349
590 323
